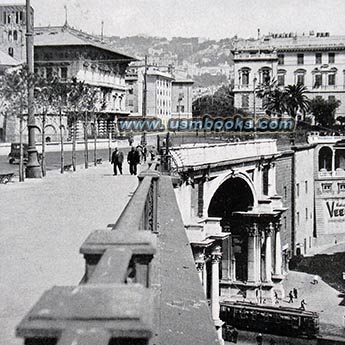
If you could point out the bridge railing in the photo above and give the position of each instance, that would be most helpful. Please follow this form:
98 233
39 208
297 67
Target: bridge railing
127 294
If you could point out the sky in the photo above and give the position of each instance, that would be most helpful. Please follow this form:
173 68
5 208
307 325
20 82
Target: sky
212 19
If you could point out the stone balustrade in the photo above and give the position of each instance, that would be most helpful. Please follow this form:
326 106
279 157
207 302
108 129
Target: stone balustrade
140 284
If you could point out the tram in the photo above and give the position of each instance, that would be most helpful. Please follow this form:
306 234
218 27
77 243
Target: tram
270 319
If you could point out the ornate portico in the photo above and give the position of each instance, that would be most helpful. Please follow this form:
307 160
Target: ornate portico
252 259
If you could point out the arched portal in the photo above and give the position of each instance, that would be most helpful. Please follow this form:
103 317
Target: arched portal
234 195
325 158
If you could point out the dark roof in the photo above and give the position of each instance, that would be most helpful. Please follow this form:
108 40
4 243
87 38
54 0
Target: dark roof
67 36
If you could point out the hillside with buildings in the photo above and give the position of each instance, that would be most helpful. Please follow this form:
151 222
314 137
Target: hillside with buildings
208 62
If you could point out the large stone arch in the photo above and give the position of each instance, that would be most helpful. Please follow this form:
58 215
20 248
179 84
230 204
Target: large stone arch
215 184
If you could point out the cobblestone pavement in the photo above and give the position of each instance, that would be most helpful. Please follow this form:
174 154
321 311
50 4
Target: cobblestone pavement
42 225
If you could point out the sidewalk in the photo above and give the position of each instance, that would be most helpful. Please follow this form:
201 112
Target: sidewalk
43 223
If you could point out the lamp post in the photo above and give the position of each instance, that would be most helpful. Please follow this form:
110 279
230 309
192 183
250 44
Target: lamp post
144 111
254 105
33 169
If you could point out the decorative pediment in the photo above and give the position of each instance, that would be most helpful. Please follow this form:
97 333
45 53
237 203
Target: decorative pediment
300 70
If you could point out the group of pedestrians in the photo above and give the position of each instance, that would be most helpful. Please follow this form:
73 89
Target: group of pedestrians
134 157
293 294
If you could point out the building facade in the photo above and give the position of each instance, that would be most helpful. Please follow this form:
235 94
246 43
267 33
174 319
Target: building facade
69 53
13 29
329 189
167 94
316 61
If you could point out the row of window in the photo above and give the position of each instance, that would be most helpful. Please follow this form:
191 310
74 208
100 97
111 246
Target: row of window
306 216
50 72
12 35
300 58
13 17
305 188
300 79
327 187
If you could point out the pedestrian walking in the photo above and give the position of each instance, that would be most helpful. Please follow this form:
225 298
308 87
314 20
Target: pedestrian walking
276 297
117 160
259 339
316 279
133 159
295 293
234 335
139 148
303 304
144 152
290 297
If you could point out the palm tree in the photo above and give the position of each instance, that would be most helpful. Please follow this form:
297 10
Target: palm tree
296 100
273 97
291 99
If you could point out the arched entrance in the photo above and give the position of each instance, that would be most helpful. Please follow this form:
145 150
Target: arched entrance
234 195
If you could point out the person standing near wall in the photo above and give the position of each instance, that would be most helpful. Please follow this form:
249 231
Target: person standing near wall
133 160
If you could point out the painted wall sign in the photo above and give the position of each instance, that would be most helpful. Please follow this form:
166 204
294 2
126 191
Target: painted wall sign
336 209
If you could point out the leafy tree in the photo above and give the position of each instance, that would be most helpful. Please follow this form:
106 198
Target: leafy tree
44 98
95 103
76 106
324 111
277 100
15 91
221 103
60 92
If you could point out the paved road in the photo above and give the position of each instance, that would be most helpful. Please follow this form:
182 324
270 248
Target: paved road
43 223
53 160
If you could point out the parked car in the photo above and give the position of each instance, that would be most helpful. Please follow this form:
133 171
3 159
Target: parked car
14 155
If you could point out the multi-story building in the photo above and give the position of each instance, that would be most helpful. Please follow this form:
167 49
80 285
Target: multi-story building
181 98
167 95
316 61
69 53
12 30
303 216
329 176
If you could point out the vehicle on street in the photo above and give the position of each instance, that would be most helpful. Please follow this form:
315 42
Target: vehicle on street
14 155
270 319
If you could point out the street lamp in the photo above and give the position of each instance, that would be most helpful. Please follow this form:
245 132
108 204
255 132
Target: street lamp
33 169
254 105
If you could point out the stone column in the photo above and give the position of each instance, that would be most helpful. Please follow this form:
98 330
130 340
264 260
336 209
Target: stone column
204 279
215 259
252 253
226 261
277 251
268 253
199 264
258 256
215 308
333 162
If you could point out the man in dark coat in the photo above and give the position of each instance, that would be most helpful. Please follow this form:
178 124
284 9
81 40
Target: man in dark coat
117 160
133 159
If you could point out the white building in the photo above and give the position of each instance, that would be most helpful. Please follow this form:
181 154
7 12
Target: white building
316 61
